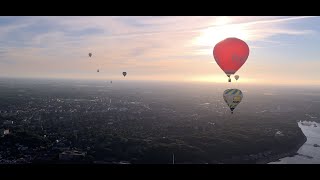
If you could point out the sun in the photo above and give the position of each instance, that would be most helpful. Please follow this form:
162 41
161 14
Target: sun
209 37
222 20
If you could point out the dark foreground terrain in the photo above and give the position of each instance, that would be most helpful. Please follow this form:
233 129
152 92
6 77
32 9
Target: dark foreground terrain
55 121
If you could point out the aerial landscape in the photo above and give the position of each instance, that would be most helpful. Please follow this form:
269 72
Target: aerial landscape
230 90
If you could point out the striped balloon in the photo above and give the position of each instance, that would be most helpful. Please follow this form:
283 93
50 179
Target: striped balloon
232 97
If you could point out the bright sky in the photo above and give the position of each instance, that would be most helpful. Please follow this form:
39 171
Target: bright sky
283 50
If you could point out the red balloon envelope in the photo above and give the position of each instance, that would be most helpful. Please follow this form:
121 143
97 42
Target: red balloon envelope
230 54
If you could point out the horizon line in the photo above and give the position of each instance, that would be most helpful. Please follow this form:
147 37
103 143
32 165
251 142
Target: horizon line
162 81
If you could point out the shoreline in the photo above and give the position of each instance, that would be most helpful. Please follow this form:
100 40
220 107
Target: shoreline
266 157
276 158
308 153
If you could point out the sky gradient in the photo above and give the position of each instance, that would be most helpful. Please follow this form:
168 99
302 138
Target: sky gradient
283 50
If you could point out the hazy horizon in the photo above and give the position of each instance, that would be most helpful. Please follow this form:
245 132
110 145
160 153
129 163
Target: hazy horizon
177 82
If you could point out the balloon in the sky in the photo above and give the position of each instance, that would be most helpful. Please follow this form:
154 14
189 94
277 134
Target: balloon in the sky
90 54
230 54
98 70
236 77
124 74
232 97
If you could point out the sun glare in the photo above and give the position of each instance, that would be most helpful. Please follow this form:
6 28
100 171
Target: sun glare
223 20
210 78
219 79
211 36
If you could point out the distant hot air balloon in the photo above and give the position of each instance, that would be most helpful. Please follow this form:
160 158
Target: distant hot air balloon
232 97
124 74
98 70
236 77
230 54
90 54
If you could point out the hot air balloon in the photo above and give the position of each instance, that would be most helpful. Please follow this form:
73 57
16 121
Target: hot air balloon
232 97
90 54
124 74
236 77
230 54
98 70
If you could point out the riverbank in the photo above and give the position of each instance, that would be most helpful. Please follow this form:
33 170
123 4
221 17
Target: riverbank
309 153
266 156
291 153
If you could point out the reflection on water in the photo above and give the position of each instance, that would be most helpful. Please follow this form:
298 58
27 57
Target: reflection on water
309 153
